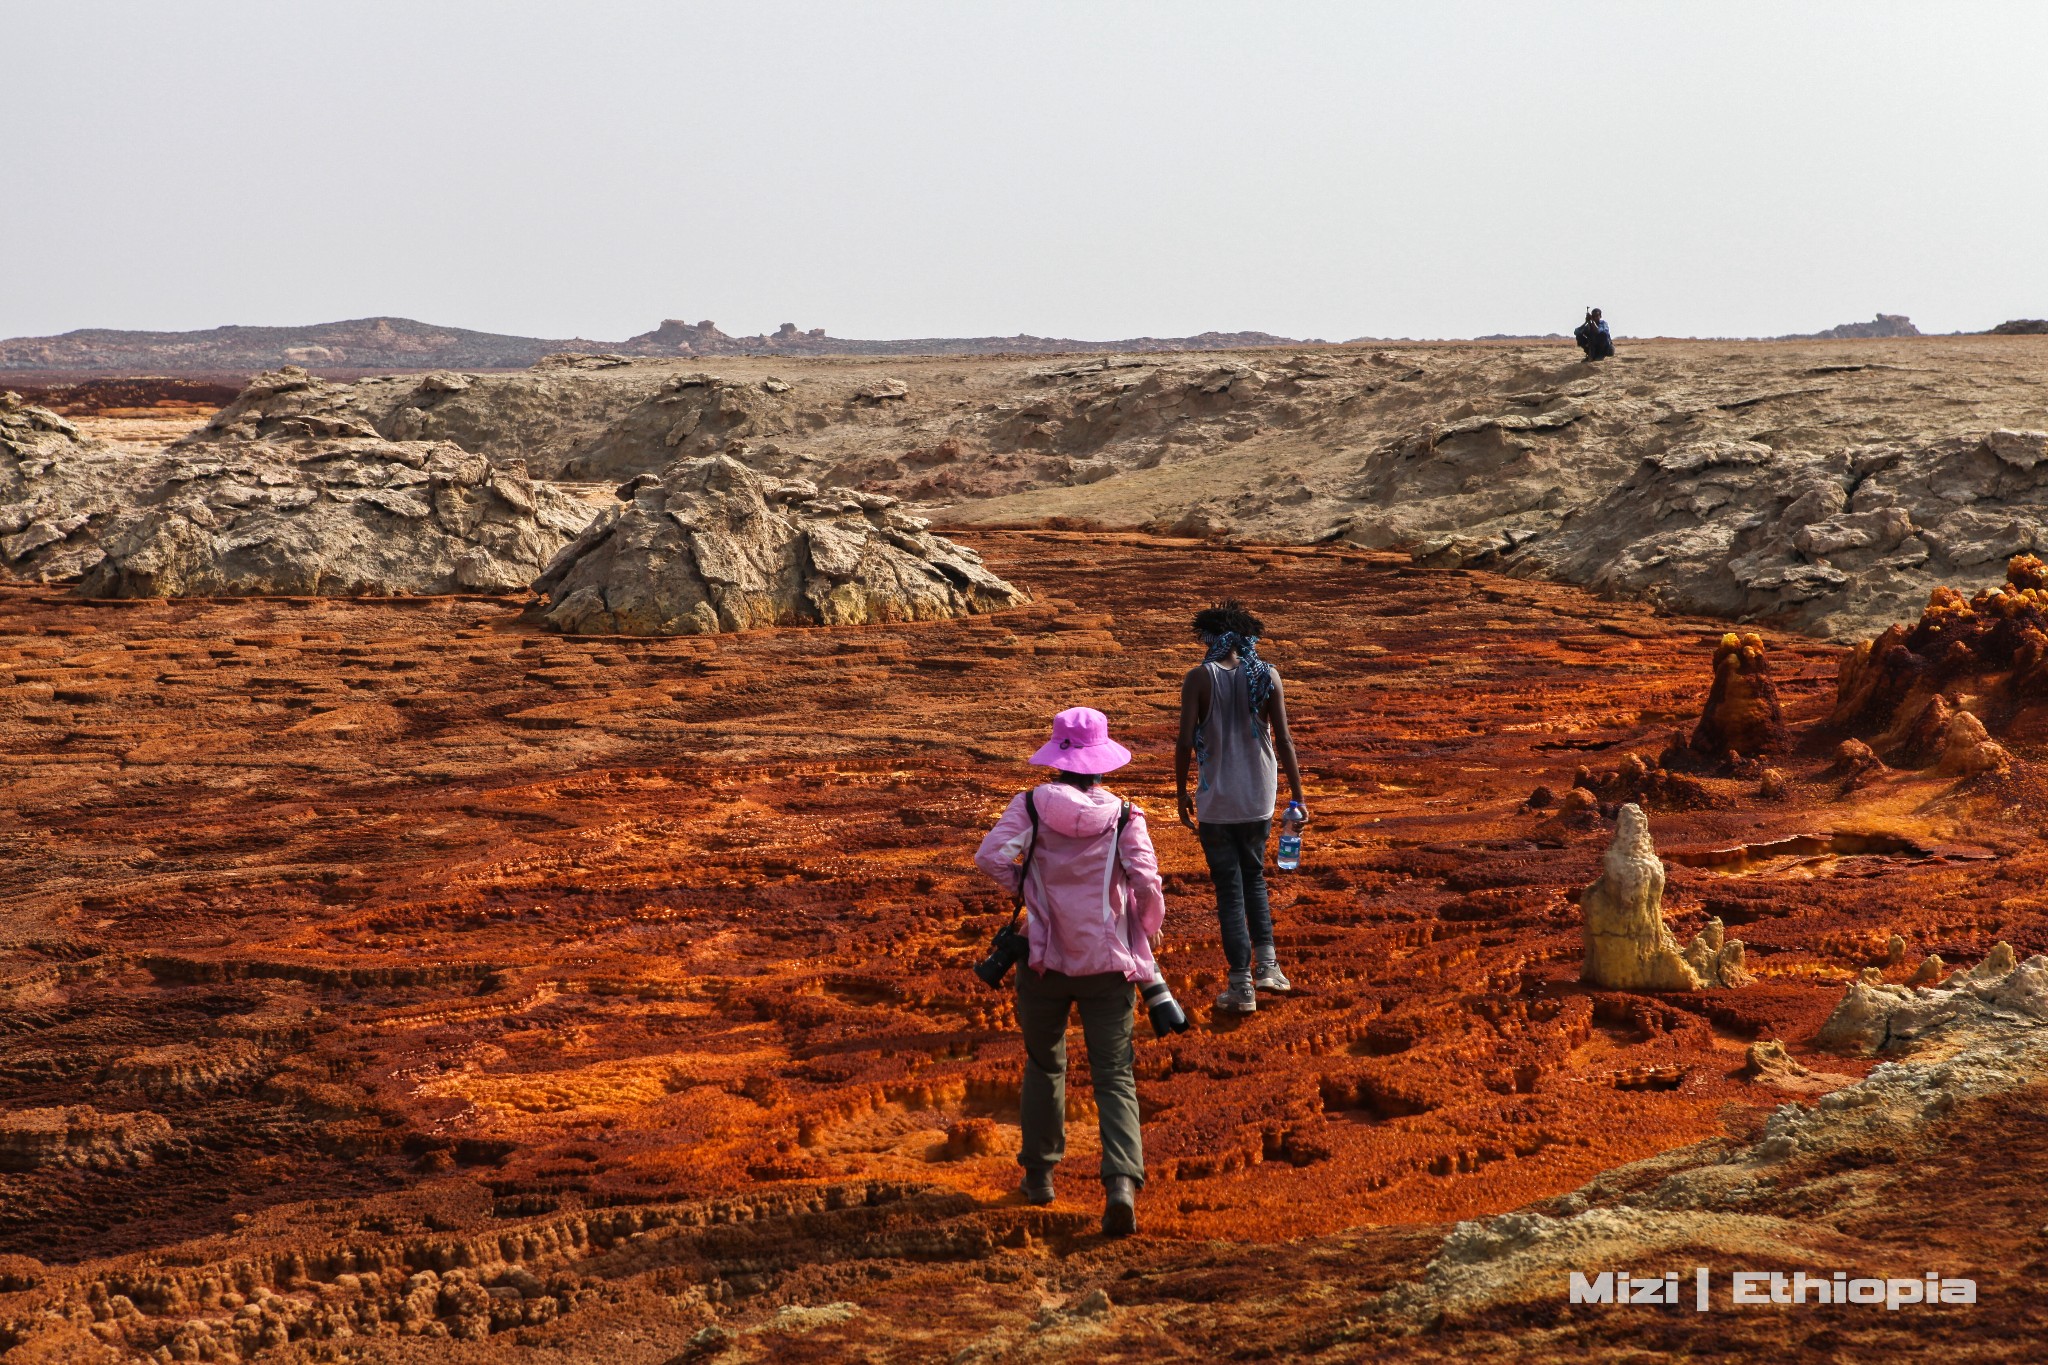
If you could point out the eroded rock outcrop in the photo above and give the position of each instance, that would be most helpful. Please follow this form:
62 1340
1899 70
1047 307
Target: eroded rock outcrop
540 420
1628 945
711 546
1742 717
571 418
334 515
1998 993
1922 693
1835 542
58 491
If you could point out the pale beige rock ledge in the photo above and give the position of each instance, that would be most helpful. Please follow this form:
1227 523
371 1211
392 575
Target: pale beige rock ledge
1999 992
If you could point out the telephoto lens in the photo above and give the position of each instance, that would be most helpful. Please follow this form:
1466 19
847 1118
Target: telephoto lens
1009 948
1167 1015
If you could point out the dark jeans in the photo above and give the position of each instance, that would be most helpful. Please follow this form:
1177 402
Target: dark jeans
1044 999
1237 864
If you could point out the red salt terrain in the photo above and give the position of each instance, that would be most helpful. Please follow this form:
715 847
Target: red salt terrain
133 396
389 979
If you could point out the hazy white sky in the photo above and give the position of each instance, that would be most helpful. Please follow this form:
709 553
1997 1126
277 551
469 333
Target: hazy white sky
588 167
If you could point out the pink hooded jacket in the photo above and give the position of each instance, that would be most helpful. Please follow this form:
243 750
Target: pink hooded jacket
1089 911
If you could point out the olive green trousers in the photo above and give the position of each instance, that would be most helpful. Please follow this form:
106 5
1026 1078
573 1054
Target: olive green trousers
1107 1003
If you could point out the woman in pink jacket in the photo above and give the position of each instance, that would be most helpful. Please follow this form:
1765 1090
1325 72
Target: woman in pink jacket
1093 909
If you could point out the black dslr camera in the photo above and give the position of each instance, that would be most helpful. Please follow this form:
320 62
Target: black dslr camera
1165 1011
1008 948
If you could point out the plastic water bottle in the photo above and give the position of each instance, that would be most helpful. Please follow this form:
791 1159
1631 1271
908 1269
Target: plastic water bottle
1290 836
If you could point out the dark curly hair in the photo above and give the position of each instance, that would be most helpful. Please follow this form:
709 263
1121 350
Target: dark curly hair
1228 617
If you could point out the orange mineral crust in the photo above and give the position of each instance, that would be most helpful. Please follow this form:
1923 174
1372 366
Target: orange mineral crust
399 911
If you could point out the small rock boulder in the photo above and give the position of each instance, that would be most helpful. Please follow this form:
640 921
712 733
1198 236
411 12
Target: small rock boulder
882 391
1968 750
712 546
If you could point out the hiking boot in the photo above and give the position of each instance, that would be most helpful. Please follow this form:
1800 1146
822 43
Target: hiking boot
1037 1187
1240 998
1269 977
1119 1206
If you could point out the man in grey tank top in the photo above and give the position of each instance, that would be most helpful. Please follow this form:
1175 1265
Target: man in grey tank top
1233 724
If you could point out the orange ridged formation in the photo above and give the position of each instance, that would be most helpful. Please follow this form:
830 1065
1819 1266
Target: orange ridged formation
1742 717
598 973
1933 692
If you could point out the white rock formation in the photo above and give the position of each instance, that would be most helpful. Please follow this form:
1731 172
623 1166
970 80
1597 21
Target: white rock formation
335 516
711 546
58 492
1628 946
1837 542
1874 1017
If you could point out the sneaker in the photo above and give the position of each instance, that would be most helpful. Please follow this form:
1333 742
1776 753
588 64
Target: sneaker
1119 1206
1239 999
1270 978
1037 1186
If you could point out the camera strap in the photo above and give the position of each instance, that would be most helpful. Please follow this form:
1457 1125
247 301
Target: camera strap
1024 867
1116 855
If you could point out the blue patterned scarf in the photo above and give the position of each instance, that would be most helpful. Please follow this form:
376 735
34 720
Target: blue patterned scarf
1258 678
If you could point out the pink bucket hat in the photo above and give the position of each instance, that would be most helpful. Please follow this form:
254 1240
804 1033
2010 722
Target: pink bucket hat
1080 743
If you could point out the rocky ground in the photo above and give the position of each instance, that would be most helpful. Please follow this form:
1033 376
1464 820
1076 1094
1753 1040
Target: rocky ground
397 980
1820 486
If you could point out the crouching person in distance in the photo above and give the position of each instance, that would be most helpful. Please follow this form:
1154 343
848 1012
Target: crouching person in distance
1093 907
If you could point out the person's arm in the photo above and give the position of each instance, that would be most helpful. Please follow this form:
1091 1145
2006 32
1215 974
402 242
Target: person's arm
1194 709
1283 744
1004 845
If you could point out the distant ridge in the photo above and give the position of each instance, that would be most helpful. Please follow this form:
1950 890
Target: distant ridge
362 343
381 344
674 337
1886 325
